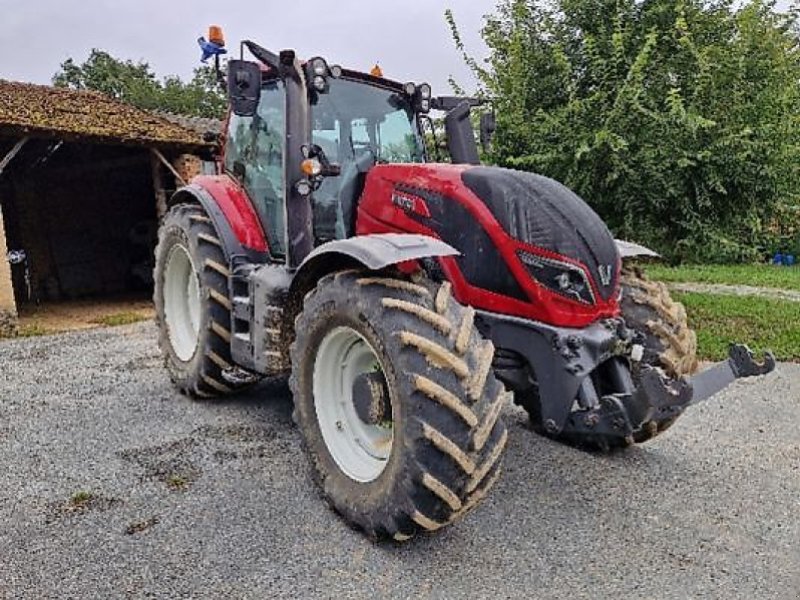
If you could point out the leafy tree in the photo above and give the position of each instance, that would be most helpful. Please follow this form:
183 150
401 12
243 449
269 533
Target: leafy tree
677 120
138 85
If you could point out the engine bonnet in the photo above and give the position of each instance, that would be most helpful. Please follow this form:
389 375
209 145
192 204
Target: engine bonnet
540 211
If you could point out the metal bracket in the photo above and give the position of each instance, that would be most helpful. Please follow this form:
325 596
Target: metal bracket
656 397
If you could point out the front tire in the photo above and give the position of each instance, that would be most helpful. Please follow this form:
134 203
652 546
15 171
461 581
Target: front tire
669 342
428 446
193 306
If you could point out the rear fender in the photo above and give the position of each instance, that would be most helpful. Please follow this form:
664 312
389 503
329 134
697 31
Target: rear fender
233 216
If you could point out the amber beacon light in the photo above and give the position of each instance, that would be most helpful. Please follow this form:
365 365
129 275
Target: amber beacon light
215 35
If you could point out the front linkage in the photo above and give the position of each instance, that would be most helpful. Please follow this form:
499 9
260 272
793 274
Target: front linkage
590 386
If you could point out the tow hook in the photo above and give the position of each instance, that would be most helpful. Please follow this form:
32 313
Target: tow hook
658 397
740 363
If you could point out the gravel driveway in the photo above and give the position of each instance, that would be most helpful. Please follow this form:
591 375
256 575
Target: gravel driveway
115 486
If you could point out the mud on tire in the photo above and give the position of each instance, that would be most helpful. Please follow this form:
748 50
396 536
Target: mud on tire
649 309
448 438
669 342
187 227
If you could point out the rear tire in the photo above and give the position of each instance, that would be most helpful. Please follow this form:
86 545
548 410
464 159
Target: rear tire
193 305
440 437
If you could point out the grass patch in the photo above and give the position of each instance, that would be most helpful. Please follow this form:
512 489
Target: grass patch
787 278
120 318
176 482
761 323
32 330
80 499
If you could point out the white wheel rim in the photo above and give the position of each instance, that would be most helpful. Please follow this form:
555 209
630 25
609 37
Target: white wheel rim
361 450
182 302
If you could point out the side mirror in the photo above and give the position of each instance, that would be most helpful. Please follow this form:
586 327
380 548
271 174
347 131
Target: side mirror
488 127
244 87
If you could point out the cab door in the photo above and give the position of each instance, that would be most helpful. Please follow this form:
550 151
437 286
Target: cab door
254 155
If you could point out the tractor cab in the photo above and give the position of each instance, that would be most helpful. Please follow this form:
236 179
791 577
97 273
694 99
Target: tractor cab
359 122
300 129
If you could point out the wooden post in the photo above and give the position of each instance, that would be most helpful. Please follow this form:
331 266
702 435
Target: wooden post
11 154
158 186
169 166
8 305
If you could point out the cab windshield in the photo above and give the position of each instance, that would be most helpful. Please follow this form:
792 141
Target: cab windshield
355 117
358 125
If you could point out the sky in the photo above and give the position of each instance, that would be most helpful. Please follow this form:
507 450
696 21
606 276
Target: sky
409 39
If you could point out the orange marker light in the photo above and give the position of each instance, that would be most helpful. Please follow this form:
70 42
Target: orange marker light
215 35
376 71
311 167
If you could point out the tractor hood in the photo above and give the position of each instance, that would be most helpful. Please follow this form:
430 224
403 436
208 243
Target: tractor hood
541 212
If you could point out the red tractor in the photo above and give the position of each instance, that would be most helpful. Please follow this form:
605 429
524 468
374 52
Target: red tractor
405 297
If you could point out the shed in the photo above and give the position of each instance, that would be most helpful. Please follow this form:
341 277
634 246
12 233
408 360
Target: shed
83 181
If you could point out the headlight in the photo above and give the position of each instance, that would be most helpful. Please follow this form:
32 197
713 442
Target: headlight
409 88
319 83
422 99
561 277
317 74
319 66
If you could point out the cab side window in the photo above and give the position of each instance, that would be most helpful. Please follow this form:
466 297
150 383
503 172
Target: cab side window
254 155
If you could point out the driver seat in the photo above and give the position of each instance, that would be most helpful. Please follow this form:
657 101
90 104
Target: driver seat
353 178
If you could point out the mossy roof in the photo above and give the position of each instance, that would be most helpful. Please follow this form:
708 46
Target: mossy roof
44 111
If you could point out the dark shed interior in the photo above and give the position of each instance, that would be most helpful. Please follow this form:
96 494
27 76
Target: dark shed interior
85 216
83 179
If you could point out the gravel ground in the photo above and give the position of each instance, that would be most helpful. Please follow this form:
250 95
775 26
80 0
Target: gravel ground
115 486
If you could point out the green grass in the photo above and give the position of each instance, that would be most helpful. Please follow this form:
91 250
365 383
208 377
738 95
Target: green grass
761 323
176 482
32 330
121 318
755 275
80 499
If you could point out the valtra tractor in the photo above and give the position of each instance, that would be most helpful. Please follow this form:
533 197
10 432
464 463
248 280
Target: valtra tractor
409 300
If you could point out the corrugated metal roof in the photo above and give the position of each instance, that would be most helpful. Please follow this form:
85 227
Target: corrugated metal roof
38 110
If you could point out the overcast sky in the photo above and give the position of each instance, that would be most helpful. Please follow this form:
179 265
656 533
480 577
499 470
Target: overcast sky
410 39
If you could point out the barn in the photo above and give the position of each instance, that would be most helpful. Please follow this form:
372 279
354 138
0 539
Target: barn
83 181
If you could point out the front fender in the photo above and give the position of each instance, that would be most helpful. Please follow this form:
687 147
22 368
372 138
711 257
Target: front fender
374 252
229 207
380 250
631 249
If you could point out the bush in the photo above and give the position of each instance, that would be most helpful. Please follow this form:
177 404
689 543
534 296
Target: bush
677 120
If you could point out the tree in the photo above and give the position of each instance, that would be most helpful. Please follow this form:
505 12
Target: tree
138 85
677 120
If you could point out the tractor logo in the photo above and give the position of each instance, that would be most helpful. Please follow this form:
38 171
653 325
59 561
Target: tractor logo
410 204
403 201
605 274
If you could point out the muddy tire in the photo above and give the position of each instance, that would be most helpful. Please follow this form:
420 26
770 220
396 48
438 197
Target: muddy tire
648 308
669 342
429 446
192 305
